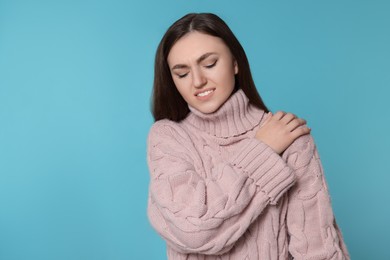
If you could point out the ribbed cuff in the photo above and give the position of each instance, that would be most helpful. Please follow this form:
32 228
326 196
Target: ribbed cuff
269 171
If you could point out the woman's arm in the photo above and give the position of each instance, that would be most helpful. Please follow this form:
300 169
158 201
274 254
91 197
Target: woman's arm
310 220
207 215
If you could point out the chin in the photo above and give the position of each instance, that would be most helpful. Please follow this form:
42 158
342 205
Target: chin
209 109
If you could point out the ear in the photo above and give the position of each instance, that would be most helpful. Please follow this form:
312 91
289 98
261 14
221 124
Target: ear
235 67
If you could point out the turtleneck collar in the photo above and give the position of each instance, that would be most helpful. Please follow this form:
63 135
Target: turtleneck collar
235 117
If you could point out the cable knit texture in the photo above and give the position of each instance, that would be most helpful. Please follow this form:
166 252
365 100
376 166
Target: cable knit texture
216 192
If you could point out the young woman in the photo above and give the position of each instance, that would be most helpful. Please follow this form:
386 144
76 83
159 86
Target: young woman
229 179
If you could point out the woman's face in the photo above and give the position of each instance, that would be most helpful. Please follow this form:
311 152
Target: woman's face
203 70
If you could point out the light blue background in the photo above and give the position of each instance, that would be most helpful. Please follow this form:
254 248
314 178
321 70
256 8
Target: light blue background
75 83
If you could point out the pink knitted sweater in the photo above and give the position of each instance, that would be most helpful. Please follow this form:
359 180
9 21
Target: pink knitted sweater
216 192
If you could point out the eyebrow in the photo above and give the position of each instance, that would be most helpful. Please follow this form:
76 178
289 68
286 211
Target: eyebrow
199 60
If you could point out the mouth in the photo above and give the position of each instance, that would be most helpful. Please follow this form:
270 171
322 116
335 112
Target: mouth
204 93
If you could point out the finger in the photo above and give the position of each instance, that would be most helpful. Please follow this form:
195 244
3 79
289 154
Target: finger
300 131
295 123
279 115
288 117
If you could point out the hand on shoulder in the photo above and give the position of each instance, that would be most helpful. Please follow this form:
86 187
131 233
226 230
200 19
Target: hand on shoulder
281 129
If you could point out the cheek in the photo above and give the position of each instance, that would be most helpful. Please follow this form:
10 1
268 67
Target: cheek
228 75
227 70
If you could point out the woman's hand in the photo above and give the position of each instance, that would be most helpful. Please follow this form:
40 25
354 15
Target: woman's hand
280 130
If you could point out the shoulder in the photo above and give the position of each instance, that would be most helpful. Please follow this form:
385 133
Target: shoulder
301 151
162 126
169 139
167 131
166 128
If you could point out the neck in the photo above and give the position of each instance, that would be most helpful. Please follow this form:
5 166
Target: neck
235 117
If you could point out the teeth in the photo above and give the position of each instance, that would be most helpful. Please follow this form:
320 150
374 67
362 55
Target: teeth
205 93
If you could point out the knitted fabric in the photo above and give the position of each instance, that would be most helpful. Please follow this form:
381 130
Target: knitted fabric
216 192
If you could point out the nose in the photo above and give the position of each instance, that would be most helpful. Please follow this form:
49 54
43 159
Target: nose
198 79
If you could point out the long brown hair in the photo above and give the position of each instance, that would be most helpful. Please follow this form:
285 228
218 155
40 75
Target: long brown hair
167 103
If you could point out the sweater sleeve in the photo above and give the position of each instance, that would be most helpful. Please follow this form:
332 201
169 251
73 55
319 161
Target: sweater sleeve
313 231
196 213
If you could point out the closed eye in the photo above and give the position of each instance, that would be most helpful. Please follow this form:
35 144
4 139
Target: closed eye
211 65
180 76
